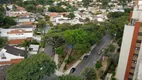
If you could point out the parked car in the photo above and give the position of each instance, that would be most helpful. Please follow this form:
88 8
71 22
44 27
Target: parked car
72 70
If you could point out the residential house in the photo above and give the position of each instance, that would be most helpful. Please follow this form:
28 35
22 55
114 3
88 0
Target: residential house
16 13
25 19
11 55
17 41
18 32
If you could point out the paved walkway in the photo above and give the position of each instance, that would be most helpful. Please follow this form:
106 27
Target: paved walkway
56 58
64 63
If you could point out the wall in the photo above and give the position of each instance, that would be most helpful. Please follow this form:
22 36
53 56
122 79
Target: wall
124 53
4 33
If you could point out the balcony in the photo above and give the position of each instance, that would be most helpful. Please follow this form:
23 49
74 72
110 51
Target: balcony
132 71
140 30
134 65
135 58
139 38
138 44
130 77
136 51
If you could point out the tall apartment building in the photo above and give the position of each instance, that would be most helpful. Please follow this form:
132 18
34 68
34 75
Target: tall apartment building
130 60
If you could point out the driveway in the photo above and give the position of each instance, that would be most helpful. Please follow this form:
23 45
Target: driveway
94 56
49 50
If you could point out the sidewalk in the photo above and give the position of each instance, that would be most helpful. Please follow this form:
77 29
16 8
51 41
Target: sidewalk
56 58
69 50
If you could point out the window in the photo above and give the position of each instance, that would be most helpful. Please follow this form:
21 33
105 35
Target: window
132 67
131 73
137 48
140 33
138 41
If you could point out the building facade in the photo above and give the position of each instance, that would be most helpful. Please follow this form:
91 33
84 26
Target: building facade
130 59
17 32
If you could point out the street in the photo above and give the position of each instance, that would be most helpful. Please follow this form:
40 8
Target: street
93 57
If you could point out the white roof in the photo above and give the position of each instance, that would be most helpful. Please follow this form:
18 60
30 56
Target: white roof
34 47
100 20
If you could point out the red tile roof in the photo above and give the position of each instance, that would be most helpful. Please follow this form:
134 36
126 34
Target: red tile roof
17 41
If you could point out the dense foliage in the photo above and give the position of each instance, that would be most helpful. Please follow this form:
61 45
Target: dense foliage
69 77
5 22
33 68
56 9
90 74
3 42
76 35
116 24
59 50
86 3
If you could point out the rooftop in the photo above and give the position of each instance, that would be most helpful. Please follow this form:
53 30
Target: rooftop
17 41
22 26
15 51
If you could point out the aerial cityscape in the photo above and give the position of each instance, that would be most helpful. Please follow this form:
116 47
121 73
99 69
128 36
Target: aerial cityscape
70 39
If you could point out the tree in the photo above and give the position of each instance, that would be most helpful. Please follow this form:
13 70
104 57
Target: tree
9 21
31 8
41 25
87 20
82 48
3 42
86 3
47 18
71 15
90 74
76 36
40 10
25 43
59 50
98 65
69 77
33 68
56 9
55 40
104 3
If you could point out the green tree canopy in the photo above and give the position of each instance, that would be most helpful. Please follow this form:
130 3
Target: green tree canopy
76 36
71 15
69 77
59 50
33 68
82 48
41 24
86 3
31 8
90 74
47 18
56 9
9 21
98 65
3 42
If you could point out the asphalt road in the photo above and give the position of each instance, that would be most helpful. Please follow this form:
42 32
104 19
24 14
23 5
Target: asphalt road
93 57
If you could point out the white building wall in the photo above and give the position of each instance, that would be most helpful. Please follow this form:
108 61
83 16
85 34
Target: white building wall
124 53
26 20
8 56
4 33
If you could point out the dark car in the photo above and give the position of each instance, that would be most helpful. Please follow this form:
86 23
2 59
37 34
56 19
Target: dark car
85 57
72 70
